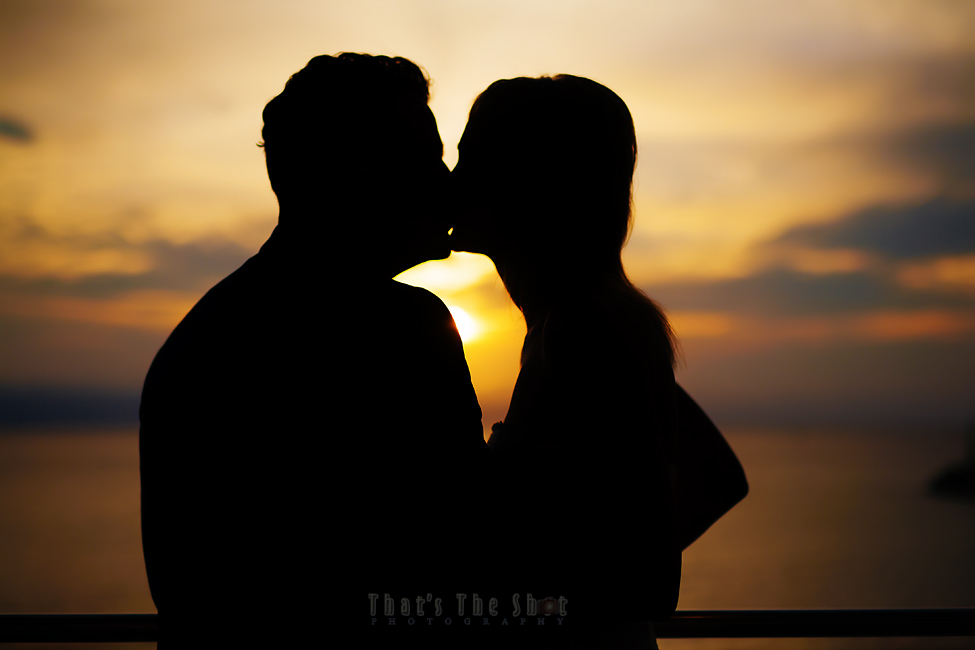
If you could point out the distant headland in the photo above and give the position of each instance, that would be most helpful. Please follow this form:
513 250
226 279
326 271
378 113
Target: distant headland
958 480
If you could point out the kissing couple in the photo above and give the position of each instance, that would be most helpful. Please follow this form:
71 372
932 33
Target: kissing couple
310 439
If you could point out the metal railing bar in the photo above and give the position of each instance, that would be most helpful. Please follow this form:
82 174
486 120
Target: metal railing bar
817 623
78 628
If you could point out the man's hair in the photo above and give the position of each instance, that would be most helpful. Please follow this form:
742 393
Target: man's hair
333 116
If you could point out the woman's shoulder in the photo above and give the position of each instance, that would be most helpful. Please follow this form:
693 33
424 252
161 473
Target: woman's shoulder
608 323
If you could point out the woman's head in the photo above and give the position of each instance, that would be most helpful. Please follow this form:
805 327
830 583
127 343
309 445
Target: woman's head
546 167
544 181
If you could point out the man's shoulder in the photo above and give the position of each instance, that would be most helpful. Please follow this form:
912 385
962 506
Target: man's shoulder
418 296
409 324
217 314
414 306
222 302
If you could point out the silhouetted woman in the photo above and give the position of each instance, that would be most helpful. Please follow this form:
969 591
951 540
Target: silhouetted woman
544 181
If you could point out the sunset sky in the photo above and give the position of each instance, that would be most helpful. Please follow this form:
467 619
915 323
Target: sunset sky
805 194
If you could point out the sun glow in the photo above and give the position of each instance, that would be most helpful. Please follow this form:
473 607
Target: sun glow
465 324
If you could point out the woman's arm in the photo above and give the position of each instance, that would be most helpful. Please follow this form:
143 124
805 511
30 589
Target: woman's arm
710 480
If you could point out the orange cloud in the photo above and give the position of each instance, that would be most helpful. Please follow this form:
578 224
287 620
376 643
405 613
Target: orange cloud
879 326
68 262
153 310
822 262
946 273
698 325
894 326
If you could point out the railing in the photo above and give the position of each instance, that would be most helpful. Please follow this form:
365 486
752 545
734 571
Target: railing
800 623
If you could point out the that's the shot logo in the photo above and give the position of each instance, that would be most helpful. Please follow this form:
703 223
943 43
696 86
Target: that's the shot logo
427 610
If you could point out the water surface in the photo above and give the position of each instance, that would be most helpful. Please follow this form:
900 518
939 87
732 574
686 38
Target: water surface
835 519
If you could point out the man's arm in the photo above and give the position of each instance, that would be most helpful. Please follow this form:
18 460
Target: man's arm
156 497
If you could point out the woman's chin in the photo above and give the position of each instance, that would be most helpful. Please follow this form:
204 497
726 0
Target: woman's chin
435 247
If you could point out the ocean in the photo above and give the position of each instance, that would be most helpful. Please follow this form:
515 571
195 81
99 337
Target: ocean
834 519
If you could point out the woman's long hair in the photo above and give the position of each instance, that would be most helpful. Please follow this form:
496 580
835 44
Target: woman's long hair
562 151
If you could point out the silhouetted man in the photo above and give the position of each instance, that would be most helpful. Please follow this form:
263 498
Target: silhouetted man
309 431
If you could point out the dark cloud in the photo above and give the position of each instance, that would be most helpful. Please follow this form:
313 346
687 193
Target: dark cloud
784 292
935 228
942 150
194 266
944 79
15 130
925 118
919 382
938 227
51 351
22 407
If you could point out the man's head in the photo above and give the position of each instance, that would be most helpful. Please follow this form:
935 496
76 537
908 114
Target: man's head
353 154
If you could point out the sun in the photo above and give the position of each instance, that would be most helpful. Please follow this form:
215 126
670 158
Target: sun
465 324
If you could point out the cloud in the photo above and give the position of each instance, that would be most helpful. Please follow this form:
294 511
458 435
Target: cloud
151 310
103 265
892 383
920 118
83 406
43 351
786 292
944 273
14 130
941 149
882 274
940 226
746 332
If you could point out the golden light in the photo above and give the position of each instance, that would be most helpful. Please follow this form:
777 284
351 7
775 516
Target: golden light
458 272
465 324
